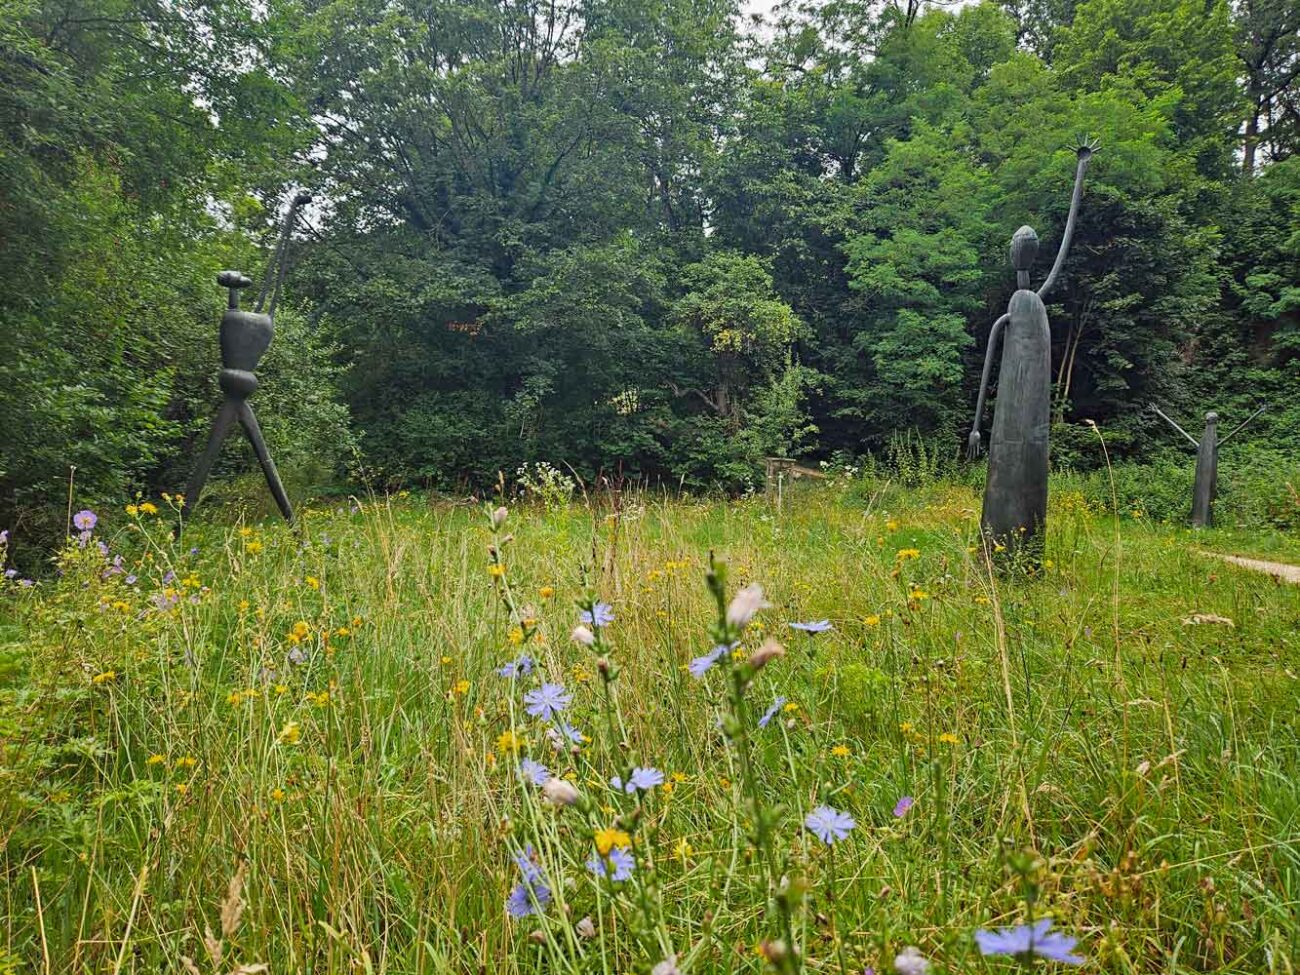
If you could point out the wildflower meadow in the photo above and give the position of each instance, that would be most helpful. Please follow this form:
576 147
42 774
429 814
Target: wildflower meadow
627 733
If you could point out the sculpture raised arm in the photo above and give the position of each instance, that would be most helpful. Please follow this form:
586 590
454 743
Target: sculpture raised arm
279 260
1240 426
973 441
1083 153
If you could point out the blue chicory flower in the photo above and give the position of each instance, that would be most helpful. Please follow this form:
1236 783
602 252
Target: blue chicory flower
829 824
528 899
814 626
534 772
547 701
1027 940
521 667
620 858
770 713
701 665
601 614
641 778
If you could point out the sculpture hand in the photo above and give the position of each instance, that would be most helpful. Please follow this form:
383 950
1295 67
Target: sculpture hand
1085 147
973 445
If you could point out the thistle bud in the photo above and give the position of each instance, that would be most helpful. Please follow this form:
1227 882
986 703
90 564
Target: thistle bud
765 654
499 516
745 604
559 792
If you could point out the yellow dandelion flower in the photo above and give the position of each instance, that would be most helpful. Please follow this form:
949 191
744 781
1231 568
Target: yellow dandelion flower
508 741
546 592
148 508
841 751
872 620
313 582
181 788
462 687
608 839
132 510
156 759
496 570
278 794
105 677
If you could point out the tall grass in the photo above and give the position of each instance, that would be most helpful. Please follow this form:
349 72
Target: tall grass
320 717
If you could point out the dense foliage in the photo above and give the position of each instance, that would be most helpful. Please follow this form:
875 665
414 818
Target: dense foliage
635 236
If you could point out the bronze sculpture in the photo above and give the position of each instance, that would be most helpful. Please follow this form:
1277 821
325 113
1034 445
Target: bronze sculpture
245 336
1206 486
1015 496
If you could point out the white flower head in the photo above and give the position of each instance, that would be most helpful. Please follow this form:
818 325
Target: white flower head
745 604
583 635
558 791
666 967
910 961
499 516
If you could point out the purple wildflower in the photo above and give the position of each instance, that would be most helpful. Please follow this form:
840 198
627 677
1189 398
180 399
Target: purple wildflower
620 858
701 665
770 713
1027 940
130 580
828 824
517 668
10 573
812 627
563 734
534 772
903 805
528 899
601 614
85 520
547 701
4 537
641 778
526 861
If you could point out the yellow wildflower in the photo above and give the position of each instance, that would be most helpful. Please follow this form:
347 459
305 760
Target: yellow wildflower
948 738
148 508
105 677
546 592
872 620
187 761
496 570
841 751
608 839
291 733
156 759
278 794
313 582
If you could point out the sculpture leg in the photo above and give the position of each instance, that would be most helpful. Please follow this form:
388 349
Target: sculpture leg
249 420
220 427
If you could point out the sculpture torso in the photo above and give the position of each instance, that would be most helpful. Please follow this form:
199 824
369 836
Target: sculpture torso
1015 499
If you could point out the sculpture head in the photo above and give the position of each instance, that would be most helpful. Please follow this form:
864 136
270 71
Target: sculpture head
1024 250
1211 417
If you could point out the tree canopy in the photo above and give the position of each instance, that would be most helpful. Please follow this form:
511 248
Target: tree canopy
644 236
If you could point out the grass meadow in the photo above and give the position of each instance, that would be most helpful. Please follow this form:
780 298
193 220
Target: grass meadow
324 751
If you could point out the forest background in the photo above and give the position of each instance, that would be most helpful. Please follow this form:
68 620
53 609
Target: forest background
650 238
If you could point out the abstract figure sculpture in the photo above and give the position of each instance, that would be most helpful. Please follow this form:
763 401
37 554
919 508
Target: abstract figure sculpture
1206 486
1015 497
245 336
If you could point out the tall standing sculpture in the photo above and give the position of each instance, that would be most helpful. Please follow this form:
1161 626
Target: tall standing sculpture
1015 497
245 336
1206 485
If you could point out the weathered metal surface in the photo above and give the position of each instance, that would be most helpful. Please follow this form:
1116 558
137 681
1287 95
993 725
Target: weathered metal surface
245 337
1014 513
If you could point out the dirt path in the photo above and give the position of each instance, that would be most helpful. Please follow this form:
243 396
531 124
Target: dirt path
1279 570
